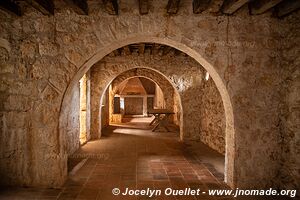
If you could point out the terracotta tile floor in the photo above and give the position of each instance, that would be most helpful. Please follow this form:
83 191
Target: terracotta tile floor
131 156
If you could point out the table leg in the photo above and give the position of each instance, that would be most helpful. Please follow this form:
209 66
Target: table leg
155 127
156 117
163 122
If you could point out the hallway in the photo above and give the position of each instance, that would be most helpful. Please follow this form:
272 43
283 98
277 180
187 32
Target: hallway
226 74
131 155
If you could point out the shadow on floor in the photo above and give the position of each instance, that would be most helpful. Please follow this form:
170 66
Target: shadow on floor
136 158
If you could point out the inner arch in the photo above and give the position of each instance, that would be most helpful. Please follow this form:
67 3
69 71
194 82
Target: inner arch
168 88
171 97
230 139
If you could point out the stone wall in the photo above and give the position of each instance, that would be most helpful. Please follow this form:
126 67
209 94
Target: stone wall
164 85
212 117
187 80
105 110
158 78
88 106
290 170
177 109
96 95
289 121
159 98
43 58
133 105
73 121
77 103
199 101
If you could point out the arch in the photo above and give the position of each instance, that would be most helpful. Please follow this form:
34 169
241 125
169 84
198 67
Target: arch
123 79
230 132
136 76
140 72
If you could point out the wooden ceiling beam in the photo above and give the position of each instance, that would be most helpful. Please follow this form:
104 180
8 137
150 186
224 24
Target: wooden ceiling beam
112 54
79 6
166 49
117 52
11 6
173 6
286 7
46 7
142 48
161 51
260 6
200 5
144 8
111 6
231 6
126 51
172 52
155 49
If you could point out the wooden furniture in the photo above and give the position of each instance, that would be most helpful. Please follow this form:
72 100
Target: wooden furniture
161 118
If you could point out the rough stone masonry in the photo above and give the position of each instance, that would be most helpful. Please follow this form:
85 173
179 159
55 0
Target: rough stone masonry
252 59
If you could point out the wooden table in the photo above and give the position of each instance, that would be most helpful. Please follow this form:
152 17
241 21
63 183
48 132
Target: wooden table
161 118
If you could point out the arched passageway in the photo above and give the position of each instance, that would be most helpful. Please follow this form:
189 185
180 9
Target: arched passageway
188 90
44 57
158 94
180 83
129 153
133 94
171 97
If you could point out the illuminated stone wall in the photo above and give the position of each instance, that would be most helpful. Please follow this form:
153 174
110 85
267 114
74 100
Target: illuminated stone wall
42 59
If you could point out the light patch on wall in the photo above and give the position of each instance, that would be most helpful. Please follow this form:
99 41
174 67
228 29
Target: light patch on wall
180 84
206 76
83 109
122 104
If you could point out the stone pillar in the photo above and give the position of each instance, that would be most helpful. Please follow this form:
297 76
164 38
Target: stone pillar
83 109
88 105
122 106
145 105
159 98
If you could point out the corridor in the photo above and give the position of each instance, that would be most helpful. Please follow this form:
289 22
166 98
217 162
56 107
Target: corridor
130 155
224 74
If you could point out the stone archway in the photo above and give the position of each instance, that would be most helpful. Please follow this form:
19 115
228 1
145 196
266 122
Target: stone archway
168 88
119 84
230 136
50 50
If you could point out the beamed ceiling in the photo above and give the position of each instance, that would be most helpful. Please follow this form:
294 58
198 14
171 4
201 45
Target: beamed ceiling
280 8
146 48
